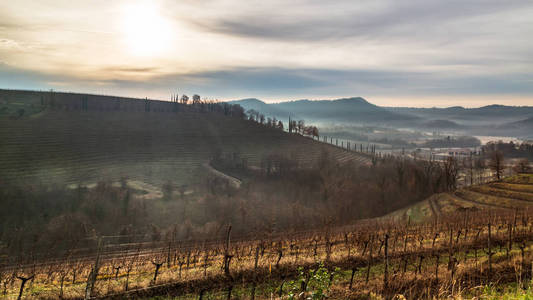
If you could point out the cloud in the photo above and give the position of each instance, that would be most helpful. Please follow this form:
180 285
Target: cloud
301 82
275 49
284 84
131 70
322 20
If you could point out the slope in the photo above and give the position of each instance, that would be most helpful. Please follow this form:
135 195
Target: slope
65 145
512 193
349 110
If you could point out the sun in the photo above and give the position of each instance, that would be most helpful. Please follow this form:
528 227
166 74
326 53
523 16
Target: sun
145 31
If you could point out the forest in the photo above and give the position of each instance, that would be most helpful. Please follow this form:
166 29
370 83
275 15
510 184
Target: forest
276 198
511 149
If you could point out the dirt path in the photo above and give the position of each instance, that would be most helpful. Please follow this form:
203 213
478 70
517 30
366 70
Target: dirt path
235 182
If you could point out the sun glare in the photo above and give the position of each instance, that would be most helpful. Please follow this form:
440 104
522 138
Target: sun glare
145 31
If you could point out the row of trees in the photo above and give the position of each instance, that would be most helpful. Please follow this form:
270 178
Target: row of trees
329 190
510 149
453 142
295 126
67 101
494 161
255 116
300 128
184 99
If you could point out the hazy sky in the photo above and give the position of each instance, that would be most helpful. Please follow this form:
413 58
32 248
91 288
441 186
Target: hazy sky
391 52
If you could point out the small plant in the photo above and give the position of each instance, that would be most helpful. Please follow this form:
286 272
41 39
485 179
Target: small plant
315 284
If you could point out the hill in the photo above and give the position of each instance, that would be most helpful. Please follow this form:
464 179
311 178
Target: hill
264 108
512 193
490 120
65 138
346 110
525 125
489 113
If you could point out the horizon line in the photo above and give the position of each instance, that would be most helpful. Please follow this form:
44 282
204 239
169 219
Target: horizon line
254 98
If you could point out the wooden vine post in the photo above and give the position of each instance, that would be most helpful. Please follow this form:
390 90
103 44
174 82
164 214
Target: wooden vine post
489 252
23 282
369 260
157 265
227 261
227 255
386 272
91 280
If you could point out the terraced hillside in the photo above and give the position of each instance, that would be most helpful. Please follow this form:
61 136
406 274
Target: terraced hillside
512 193
60 146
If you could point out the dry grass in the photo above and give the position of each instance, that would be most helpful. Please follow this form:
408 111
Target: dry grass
490 200
525 188
502 192
520 179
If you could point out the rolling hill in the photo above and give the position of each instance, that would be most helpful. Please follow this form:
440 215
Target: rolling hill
523 127
512 193
490 114
490 120
60 139
346 110
264 108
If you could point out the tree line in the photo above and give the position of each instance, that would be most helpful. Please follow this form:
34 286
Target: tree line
294 126
510 149
84 102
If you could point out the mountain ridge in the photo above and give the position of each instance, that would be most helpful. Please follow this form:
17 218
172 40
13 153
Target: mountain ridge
343 109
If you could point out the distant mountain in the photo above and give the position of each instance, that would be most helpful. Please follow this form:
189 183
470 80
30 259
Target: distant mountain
526 124
490 112
528 121
522 129
345 110
493 119
260 106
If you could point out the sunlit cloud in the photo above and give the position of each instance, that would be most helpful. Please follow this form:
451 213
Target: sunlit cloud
379 49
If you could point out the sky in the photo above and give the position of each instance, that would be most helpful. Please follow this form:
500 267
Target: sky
394 53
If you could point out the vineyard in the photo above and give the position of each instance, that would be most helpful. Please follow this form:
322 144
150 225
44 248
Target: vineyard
440 258
63 145
515 192
101 203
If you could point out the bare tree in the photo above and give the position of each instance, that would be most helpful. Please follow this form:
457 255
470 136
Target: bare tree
300 126
468 165
184 99
196 99
280 125
451 172
522 166
480 166
496 163
253 115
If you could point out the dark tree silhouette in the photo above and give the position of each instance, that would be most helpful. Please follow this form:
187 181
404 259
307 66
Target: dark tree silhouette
496 163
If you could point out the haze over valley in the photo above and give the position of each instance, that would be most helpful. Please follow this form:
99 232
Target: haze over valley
230 149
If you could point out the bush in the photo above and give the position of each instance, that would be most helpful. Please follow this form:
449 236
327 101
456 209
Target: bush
315 284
